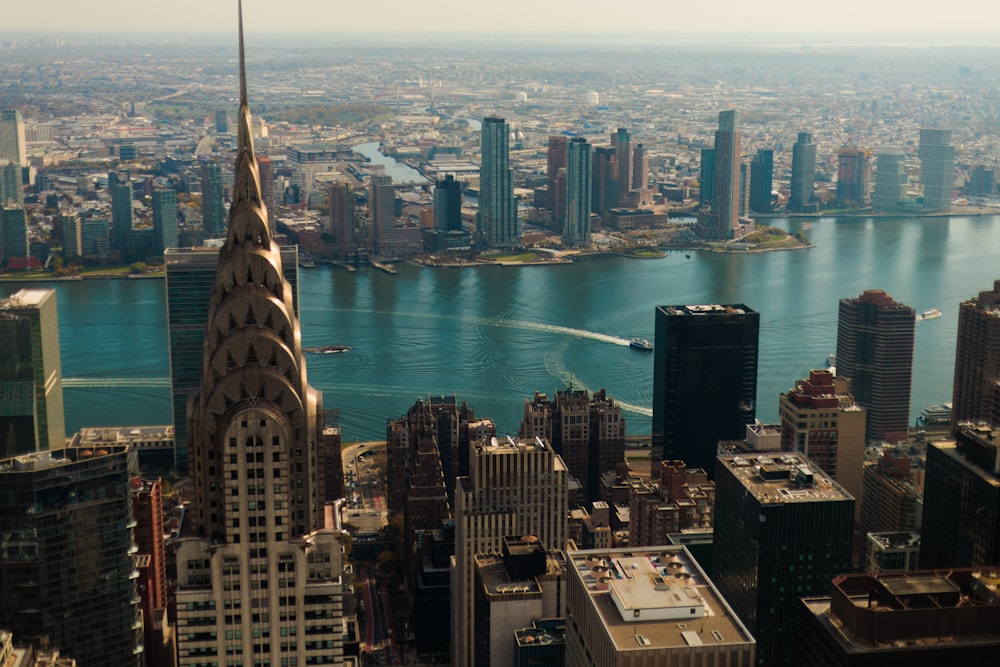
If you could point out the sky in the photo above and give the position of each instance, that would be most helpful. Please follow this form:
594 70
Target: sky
954 21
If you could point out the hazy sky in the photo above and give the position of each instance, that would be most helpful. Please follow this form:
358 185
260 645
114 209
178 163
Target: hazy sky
836 19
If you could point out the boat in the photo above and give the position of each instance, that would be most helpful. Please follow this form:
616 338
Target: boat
931 314
640 344
327 349
307 264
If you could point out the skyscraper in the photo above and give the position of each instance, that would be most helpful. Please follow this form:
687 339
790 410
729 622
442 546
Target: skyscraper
13 232
266 166
875 350
976 392
212 213
382 203
803 172
12 144
342 217
890 179
259 534
640 168
221 121
704 379
514 487
576 228
706 178
782 532
622 143
448 204
497 223
11 189
761 177
31 403
604 186
164 218
66 567
555 159
722 221
121 212
854 174
937 169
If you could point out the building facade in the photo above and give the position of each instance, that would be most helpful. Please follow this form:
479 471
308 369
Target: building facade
854 175
875 351
12 143
213 216
164 219
937 169
890 179
497 222
976 391
761 181
342 227
803 172
576 225
448 204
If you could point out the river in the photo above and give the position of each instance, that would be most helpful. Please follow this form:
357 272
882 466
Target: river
495 335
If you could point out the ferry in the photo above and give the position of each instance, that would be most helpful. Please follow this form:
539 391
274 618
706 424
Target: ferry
640 344
931 314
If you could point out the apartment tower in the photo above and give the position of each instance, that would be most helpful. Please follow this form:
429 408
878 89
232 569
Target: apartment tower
976 391
496 223
937 169
576 225
803 172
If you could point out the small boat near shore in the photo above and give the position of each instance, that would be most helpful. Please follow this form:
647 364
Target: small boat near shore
640 344
931 314
327 349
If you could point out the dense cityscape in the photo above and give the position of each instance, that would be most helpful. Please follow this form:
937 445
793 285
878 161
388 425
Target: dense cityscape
675 528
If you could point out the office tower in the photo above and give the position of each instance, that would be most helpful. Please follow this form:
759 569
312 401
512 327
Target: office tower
875 351
782 532
640 168
266 167
803 172
854 176
587 432
31 403
890 179
514 487
72 233
725 194
13 232
555 160
66 569
212 213
761 177
917 619
522 583
604 188
448 204
260 572
12 144
704 380
976 392
622 143
164 219
891 508
191 274
121 212
962 500
821 421
497 224
679 499
982 182
937 169
382 204
11 189
706 178
635 607
342 217
147 514
576 228
221 121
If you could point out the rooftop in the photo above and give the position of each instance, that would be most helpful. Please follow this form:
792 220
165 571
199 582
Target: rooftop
654 598
783 478
26 298
709 309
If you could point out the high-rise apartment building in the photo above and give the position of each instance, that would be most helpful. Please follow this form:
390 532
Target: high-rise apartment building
854 175
803 172
976 391
13 232
726 191
706 178
890 179
191 274
448 204
11 188
588 432
704 379
514 487
635 607
962 501
576 225
31 403
555 159
382 206
891 501
937 169
497 223
259 569
12 144
67 563
221 121
604 186
342 227
164 219
875 351
761 181
640 168
821 421
782 532
121 212
982 181
621 141
212 212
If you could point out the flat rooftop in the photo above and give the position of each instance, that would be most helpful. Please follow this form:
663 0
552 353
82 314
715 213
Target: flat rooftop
708 309
655 597
783 477
25 298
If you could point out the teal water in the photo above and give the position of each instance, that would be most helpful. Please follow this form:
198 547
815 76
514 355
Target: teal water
495 335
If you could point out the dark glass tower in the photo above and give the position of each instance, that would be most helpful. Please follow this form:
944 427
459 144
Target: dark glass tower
706 177
803 171
576 229
164 218
212 214
448 205
704 379
761 177
497 224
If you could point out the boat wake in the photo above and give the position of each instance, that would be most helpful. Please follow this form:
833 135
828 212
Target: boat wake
92 382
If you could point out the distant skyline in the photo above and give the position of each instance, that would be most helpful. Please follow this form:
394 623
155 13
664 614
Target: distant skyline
894 21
